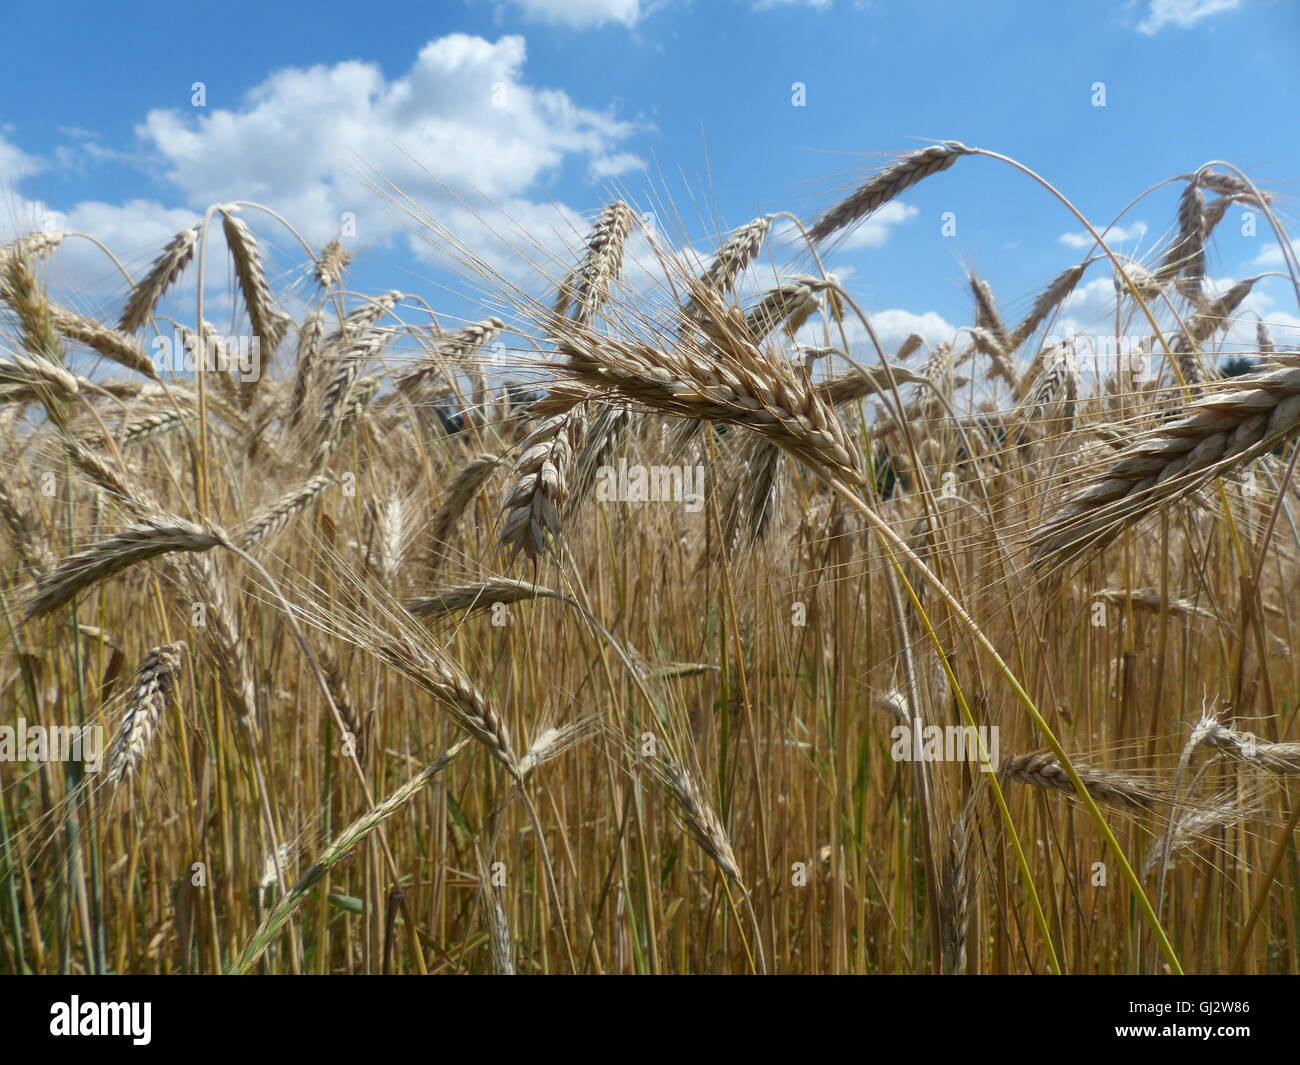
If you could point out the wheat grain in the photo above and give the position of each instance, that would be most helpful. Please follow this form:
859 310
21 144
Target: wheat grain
330 264
540 484
741 386
586 290
269 326
460 492
737 252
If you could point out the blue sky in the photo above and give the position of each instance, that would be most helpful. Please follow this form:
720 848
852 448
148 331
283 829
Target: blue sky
681 100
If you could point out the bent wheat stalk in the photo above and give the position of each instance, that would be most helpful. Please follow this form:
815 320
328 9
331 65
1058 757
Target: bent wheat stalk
542 482
755 396
1042 770
334 853
278 515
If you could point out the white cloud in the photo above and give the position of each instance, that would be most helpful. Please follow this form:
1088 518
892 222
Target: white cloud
581 14
15 164
461 132
605 167
820 5
1271 256
459 125
1114 235
1182 13
521 239
894 326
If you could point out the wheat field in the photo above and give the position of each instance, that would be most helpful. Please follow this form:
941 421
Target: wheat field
622 629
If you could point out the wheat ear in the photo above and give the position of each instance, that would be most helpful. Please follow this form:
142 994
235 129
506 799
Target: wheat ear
161 276
156 535
1043 770
1238 420
886 185
154 680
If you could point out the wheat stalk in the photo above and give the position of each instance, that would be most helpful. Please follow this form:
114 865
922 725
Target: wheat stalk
1280 758
1151 599
955 885
540 483
457 347
737 252
742 386
25 295
698 815
460 492
585 291
441 678
1048 300
330 264
335 852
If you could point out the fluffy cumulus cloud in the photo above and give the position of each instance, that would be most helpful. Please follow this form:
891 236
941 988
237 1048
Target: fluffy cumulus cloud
1115 235
894 326
460 140
15 164
1182 13
461 125
821 5
1271 257
607 167
580 14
